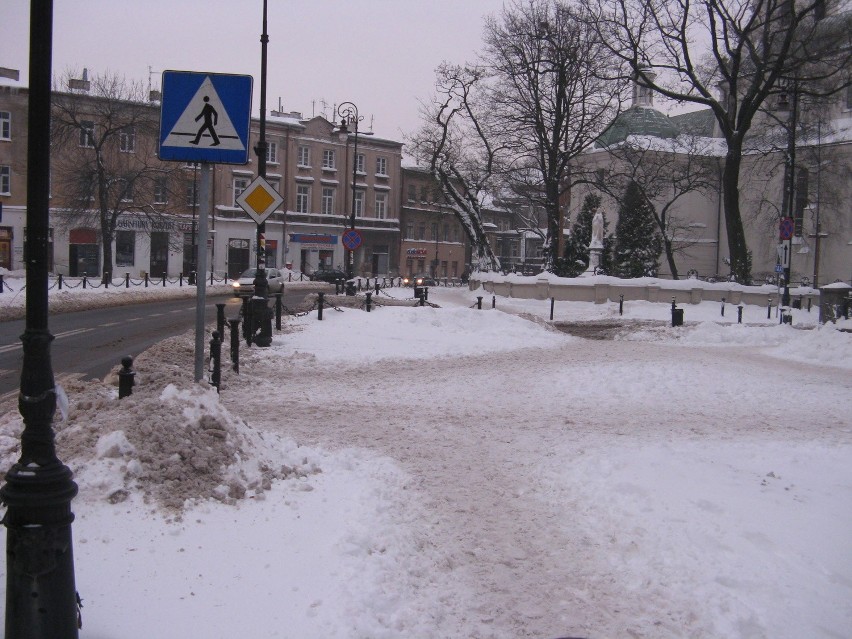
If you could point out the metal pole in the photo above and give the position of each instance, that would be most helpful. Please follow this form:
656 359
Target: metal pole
262 318
201 294
348 113
790 180
41 597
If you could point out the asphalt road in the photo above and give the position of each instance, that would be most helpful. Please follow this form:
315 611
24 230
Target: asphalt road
90 343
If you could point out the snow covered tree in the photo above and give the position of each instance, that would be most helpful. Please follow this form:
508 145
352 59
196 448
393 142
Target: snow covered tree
637 238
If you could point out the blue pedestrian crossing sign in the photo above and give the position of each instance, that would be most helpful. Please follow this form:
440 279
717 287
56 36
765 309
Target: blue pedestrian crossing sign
205 117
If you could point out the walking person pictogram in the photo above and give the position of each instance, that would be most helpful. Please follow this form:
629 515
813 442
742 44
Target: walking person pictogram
211 118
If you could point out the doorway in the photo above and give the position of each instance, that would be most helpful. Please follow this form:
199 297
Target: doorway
159 254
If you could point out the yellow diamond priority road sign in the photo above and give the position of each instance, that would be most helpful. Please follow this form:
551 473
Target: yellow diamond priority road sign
259 200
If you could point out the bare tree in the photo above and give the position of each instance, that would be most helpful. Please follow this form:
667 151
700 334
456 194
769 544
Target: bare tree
550 96
729 56
105 157
537 98
456 146
664 171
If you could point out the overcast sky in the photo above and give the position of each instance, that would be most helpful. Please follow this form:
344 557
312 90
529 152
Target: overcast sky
379 54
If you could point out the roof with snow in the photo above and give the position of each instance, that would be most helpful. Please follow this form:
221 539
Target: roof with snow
638 120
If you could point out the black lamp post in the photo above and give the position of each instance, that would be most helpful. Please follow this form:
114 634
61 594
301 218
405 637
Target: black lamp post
790 100
41 598
261 317
348 113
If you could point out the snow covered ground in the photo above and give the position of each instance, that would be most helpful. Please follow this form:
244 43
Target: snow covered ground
448 472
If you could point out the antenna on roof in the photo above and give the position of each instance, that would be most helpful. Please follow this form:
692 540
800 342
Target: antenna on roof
372 119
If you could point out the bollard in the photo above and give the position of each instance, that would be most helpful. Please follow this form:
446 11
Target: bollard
769 309
740 314
146 280
127 280
1 282
215 360
369 301
180 278
493 301
359 284
125 377
220 319
479 302
809 300
84 281
723 307
552 302
235 344
337 287
106 279
278 311
377 286
425 292
621 304
320 300
59 281
247 328
192 278
164 279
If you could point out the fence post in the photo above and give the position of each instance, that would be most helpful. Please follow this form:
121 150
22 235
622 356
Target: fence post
479 302
127 280
621 304
769 309
493 301
59 281
216 360
125 377
377 287
320 300
369 301
740 314
220 319
106 279
235 344
84 281
180 278
164 279
1 282
552 302
146 279
723 307
278 311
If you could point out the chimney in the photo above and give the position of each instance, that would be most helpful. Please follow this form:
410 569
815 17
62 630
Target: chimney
82 84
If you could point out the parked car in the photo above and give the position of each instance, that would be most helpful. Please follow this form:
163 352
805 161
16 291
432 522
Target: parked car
244 285
328 275
420 280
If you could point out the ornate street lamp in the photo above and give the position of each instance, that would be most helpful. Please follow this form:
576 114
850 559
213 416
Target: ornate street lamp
41 598
348 113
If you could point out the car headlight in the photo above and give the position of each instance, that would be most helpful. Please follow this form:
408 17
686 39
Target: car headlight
235 284
419 281
405 281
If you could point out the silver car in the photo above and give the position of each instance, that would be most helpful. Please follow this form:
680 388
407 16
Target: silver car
245 284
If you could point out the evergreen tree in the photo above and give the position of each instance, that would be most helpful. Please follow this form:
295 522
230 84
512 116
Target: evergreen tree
638 244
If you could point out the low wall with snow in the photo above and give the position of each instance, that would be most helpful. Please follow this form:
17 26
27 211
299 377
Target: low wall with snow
601 289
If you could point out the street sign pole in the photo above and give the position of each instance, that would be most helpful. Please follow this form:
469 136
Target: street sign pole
201 282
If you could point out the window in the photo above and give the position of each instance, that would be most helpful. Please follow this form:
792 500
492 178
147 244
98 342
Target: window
412 193
434 231
424 194
240 185
272 152
359 203
381 166
421 232
328 158
125 248
87 134
127 140
359 163
5 180
192 193
304 158
327 207
125 190
381 205
161 190
446 232
5 125
409 231
303 198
